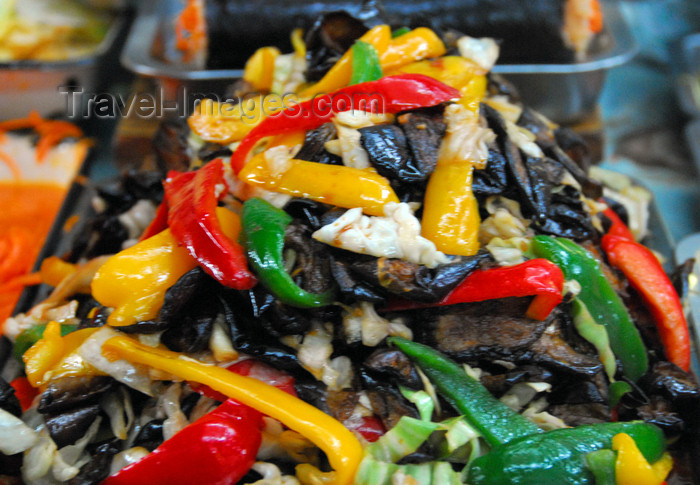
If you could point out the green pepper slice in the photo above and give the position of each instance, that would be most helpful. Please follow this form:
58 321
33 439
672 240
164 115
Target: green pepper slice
497 422
600 299
365 63
263 235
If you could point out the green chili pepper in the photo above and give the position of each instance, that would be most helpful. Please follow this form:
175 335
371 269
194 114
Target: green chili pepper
600 298
494 420
263 233
596 335
33 334
399 32
559 456
602 465
365 63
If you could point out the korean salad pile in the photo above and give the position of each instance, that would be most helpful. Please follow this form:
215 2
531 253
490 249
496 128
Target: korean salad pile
373 265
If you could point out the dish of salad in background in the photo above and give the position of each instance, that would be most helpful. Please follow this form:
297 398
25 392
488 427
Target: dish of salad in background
436 290
38 160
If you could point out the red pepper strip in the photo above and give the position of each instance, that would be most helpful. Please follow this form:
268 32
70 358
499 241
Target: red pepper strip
257 370
389 94
647 276
159 222
219 448
370 427
618 228
24 392
538 277
192 200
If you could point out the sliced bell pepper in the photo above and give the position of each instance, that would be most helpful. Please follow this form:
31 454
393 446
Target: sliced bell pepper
600 298
192 218
33 334
337 185
134 281
617 228
559 456
647 276
340 74
633 468
257 370
24 392
522 452
343 450
451 214
260 67
537 277
365 63
263 233
498 423
420 43
218 448
390 94
54 355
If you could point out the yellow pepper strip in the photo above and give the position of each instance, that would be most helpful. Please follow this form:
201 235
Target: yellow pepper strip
297 39
455 71
54 270
339 75
134 281
332 184
420 43
260 67
631 468
226 123
451 215
342 448
53 356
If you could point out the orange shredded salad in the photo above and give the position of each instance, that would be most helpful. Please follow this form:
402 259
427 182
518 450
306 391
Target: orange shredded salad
50 132
28 212
11 164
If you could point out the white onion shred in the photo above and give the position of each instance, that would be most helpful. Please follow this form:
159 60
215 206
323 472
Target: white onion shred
15 436
315 350
127 457
523 139
271 475
117 406
136 219
483 52
466 139
38 459
362 322
397 235
70 458
170 402
125 372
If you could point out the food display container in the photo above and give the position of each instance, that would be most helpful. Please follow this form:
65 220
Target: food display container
38 85
564 92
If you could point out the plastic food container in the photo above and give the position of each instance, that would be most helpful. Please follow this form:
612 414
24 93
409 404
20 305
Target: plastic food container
563 92
27 84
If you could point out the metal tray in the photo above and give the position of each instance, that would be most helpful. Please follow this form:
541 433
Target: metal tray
564 92
35 84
